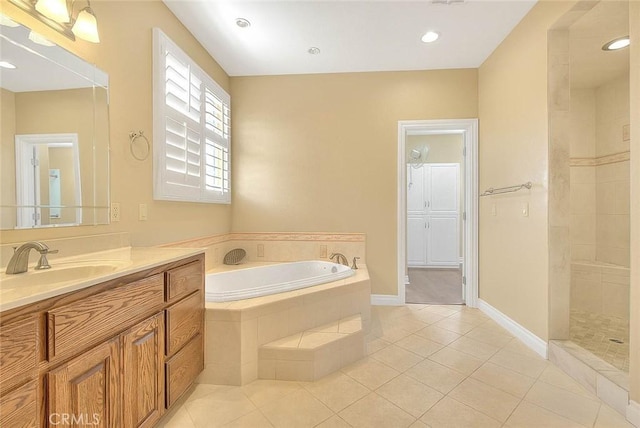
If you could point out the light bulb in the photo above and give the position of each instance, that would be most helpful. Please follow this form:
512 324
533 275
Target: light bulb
86 26
54 9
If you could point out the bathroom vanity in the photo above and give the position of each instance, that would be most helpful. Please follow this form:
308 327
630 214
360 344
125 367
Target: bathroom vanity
115 351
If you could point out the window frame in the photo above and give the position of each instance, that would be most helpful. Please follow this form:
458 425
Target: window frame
212 137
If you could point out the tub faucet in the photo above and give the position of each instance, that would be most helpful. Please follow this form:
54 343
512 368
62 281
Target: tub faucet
354 266
340 258
19 263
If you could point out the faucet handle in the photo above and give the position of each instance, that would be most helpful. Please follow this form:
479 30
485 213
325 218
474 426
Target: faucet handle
355 266
43 263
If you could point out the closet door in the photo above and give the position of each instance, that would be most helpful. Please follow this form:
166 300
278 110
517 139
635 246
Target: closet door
443 220
416 217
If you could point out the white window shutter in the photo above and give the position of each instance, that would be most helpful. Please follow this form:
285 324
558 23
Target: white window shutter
192 129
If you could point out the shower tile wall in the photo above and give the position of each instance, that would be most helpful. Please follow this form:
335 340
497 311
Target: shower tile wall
612 179
600 173
583 174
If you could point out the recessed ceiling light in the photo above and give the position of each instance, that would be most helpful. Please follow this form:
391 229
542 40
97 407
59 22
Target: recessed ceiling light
8 22
314 50
243 23
5 64
619 43
39 39
430 36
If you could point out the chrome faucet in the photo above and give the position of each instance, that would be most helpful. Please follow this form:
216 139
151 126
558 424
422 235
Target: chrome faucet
19 263
340 258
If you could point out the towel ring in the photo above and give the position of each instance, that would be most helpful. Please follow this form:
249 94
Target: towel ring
133 136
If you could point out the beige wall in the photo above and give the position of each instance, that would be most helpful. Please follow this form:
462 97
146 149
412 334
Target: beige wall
513 249
319 152
125 53
634 371
7 158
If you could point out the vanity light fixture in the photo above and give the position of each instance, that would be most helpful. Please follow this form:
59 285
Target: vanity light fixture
55 13
86 25
54 9
615 44
430 37
5 64
314 50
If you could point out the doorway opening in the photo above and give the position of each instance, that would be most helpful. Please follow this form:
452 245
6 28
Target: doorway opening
437 212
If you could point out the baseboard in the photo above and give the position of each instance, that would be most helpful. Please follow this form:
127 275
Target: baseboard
386 300
633 413
538 345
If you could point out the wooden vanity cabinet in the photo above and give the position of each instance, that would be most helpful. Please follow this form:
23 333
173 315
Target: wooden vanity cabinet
115 354
143 373
87 388
19 354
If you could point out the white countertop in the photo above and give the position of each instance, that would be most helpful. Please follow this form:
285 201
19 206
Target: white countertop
93 268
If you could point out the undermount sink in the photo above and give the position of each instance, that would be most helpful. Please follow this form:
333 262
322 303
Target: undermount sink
60 273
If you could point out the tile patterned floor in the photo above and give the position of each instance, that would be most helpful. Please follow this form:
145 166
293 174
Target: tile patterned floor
592 332
427 366
434 286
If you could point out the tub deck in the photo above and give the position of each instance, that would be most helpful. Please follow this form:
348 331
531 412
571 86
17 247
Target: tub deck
235 331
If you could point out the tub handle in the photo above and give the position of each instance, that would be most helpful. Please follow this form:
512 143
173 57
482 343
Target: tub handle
355 266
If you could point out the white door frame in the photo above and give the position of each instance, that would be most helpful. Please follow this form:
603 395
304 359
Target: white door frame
27 194
469 129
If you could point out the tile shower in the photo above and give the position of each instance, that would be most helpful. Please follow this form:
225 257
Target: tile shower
599 199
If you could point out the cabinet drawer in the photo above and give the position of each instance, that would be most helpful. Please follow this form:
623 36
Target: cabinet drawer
183 368
184 280
18 352
95 318
184 321
18 407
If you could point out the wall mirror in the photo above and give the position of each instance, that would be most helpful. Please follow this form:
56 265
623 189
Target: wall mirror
54 147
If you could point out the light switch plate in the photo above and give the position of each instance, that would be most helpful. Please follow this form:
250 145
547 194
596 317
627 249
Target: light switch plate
143 213
260 250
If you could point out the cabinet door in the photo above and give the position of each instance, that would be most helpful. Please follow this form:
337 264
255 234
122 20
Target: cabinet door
143 373
443 189
416 202
416 241
18 407
443 241
86 390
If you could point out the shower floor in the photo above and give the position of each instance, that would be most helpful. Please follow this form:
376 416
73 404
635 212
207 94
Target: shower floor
593 332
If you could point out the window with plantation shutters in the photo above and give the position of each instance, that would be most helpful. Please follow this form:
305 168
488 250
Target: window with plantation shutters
192 120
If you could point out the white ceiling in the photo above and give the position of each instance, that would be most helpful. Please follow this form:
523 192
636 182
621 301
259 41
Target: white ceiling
590 65
353 36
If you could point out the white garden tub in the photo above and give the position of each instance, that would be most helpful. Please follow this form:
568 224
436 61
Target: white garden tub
266 280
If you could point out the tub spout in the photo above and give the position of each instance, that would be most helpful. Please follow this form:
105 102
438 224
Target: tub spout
340 258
